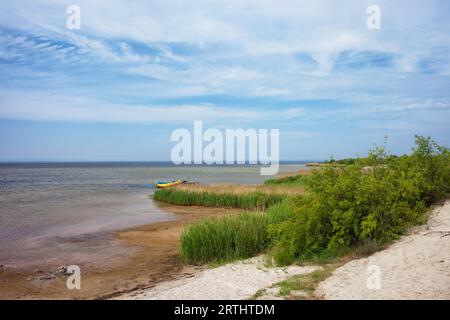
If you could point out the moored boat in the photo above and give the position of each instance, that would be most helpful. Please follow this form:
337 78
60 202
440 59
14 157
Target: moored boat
161 184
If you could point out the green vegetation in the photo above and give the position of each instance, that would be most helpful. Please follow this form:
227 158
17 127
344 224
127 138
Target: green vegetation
258 294
231 237
303 286
280 212
347 161
373 201
356 207
252 200
296 180
353 161
224 239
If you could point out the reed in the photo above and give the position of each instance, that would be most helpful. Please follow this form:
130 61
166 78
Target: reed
224 239
240 189
234 236
250 200
280 212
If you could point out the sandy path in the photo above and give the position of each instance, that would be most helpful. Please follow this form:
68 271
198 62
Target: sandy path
240 280
415 267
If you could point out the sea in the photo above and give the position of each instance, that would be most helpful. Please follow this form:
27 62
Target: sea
51 212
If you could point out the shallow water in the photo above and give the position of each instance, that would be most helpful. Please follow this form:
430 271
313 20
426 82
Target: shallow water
51 212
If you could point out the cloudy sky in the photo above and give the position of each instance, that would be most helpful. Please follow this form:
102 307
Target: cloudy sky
136 70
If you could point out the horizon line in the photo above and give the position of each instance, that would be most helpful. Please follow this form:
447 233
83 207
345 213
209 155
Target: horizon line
138 161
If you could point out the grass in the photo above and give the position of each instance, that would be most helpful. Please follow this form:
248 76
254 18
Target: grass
226 196
232 237
241 189
224 239
324 165
292 181
279 212
303 286
258 294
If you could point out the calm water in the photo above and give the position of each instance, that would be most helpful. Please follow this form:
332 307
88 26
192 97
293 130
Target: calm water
48 210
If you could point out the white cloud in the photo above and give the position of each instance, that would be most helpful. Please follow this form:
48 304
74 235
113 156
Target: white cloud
321 28
199 74
236 48
48 107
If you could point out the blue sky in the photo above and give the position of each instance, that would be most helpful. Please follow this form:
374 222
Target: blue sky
137 70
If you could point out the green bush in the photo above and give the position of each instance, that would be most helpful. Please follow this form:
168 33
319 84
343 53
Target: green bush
375 200
358 206
432 163
250 201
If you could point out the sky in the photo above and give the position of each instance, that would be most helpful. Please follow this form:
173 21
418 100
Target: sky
115 89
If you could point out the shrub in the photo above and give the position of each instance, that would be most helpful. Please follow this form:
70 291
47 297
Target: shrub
348 206
358 206
432 163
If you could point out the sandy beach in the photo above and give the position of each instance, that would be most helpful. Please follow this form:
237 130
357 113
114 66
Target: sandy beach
234 281
152 257
415 267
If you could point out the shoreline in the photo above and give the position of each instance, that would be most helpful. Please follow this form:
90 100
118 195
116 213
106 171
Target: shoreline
413 267
112 262
152 269
417 266
152 258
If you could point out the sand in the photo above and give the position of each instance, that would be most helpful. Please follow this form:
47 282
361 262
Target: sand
233 281
415 267
151 257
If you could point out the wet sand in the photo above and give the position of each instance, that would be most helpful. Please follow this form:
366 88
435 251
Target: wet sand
145 256
76 231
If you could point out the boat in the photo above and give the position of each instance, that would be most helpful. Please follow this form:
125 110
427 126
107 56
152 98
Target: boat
162 184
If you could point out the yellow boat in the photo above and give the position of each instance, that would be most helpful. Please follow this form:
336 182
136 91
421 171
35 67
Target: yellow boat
160 184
